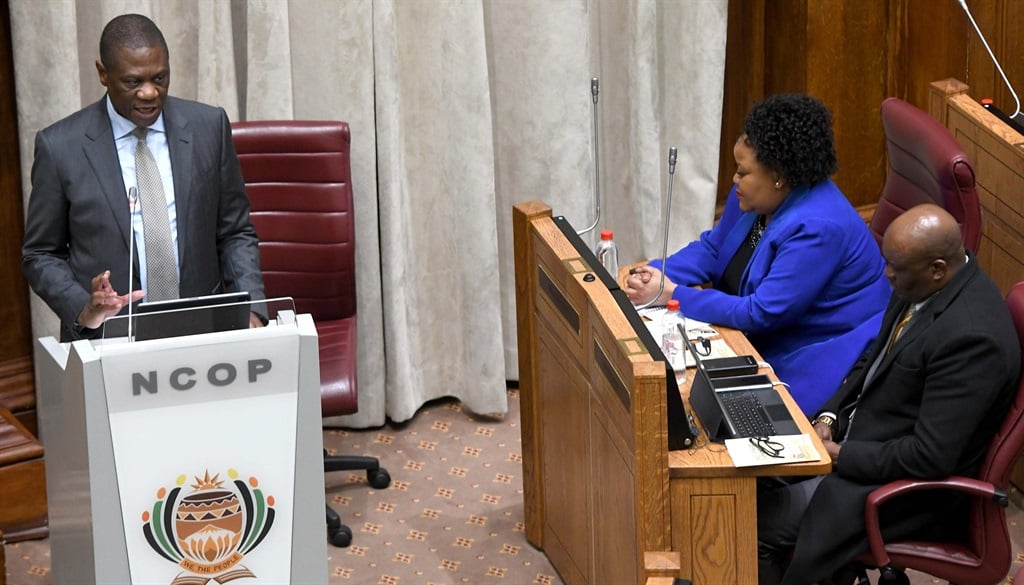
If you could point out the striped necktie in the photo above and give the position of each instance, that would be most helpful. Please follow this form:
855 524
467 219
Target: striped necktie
161 267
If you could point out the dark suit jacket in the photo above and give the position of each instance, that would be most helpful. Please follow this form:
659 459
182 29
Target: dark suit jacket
78 221
930 411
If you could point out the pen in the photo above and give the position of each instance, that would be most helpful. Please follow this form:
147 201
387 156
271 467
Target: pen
645 276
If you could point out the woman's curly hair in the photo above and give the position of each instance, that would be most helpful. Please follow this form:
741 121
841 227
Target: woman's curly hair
791 134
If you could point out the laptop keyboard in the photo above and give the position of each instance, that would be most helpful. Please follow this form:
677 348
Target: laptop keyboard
747 414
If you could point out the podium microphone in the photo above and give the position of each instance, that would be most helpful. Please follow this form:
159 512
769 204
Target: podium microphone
595 88
133 198
963 4
668 213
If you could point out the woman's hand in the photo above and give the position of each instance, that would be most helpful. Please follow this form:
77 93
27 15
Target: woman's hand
642 286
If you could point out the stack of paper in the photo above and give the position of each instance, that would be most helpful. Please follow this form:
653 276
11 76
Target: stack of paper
787 448
694 330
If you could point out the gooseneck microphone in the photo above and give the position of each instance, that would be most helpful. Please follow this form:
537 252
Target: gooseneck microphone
963 4
595 88
133 199
664 230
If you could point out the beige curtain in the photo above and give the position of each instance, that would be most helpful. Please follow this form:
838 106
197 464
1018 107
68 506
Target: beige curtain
458 110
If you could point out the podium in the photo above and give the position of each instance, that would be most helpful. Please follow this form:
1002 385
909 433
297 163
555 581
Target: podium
186 459
605 495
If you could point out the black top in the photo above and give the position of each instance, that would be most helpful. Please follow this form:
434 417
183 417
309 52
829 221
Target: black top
730 281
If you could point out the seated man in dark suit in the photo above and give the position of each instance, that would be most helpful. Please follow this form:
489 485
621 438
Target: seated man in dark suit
924 403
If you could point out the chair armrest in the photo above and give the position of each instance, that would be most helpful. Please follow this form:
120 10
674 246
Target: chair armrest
904 486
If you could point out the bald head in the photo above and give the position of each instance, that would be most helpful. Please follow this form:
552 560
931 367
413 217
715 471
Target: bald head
923 250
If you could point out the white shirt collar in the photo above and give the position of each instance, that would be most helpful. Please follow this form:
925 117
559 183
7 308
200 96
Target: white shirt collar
123 126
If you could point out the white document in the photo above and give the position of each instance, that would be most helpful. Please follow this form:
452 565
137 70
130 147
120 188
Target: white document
694 331
776 450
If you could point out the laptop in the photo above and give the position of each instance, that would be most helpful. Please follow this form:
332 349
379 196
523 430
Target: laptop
737 406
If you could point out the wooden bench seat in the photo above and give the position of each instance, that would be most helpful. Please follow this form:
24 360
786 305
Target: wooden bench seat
22 482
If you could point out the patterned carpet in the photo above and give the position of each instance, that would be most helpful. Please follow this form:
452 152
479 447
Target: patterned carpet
452 515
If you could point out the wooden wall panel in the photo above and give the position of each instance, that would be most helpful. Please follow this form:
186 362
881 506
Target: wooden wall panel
852 55
1001 23
786 55
17 387
846 66
14 309
831 49
744 79
930 43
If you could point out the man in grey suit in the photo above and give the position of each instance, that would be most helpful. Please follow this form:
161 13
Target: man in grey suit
80 217
924 404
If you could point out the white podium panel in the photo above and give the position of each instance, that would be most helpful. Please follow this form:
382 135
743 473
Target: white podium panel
187 459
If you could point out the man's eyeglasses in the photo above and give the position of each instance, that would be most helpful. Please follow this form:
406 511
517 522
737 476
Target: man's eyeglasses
767 446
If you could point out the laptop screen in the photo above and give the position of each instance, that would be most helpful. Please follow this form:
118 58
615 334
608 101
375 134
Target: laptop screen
680 435
703 399
192 315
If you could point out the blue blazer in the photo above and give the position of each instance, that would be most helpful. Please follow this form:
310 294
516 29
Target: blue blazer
812 296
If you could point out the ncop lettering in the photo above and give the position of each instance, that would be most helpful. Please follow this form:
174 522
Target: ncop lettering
184 378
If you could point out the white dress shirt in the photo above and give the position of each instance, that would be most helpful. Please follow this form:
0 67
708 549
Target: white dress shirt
156 140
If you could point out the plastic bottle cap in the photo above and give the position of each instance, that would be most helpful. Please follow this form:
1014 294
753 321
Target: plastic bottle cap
673 305
606 234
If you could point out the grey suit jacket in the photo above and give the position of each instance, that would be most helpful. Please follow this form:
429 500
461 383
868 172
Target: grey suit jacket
78 222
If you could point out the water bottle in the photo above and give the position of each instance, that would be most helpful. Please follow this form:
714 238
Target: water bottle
607 254
672 339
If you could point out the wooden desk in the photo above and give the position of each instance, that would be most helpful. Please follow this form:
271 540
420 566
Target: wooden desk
714 504
603 496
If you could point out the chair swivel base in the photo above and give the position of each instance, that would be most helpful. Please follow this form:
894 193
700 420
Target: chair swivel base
887 576
337 533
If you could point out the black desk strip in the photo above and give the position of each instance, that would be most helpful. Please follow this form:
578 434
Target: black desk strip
559 300
611 375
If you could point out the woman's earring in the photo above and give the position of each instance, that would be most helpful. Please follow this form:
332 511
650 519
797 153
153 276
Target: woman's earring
778 184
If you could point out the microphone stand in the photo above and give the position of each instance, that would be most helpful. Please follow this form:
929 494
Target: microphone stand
963 5
133 197
668 214
595 87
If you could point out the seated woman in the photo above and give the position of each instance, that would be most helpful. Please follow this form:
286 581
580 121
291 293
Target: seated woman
791 263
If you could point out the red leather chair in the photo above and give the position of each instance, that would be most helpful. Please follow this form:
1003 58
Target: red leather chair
299 181
985 557
926 165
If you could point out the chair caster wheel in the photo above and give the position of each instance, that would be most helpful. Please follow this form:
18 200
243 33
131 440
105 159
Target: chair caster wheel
890 576
378 478
340 536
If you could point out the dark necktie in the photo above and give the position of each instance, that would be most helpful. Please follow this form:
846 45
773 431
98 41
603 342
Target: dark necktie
161 267
850 409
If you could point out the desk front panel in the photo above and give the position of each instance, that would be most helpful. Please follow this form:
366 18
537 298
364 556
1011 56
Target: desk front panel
714 529
563 402
587 533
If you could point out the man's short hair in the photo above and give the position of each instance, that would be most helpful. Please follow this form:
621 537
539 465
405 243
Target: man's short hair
131 31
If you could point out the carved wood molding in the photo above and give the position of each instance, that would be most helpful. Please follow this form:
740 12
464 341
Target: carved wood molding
17 384
16 443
